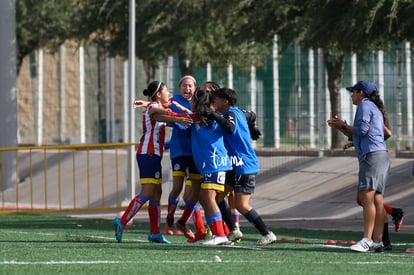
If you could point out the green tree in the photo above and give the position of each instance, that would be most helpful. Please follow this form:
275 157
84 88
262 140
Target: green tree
43 24
195 31
336 27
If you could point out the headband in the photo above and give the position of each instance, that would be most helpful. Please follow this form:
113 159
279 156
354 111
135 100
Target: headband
156 90
185 77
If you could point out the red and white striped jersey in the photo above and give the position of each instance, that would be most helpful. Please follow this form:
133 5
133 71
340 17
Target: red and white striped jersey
153 136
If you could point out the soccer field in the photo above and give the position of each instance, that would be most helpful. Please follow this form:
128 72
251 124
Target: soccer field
49 244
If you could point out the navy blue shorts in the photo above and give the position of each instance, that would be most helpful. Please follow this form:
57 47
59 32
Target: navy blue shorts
150 170
183 165
214 181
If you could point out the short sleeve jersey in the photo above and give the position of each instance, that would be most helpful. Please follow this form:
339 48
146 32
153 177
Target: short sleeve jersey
209 153
153 136
239 146
180 136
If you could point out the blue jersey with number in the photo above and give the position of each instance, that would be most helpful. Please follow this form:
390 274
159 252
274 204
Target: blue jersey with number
180 143
209 153
239 145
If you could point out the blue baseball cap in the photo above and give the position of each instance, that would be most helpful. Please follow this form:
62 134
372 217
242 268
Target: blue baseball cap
366 86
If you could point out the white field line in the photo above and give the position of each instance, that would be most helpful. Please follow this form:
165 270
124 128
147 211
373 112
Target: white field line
154 261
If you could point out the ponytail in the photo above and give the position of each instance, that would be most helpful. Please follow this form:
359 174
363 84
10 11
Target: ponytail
375 97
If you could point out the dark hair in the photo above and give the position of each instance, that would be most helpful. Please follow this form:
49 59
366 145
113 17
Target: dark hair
227 93
153 88
375 97
210 85
201 104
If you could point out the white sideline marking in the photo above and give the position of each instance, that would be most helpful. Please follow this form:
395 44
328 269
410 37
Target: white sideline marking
191 261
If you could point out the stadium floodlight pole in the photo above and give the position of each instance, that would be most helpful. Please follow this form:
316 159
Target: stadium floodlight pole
8 92
131 95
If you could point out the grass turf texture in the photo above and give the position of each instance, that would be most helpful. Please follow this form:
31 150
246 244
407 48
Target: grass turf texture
49 244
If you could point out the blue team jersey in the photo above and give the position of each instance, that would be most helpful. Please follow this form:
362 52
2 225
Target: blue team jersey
239 146
180 143
209 153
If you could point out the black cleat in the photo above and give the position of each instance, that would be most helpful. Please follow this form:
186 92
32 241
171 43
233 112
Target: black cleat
398 217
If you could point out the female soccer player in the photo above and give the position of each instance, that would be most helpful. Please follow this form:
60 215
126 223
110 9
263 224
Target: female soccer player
149 155
211 158
245 165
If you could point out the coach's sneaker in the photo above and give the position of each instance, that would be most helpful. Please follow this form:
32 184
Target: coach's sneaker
157 238
269 238
377 247
235 235
363 245
119 229
216 240
398 217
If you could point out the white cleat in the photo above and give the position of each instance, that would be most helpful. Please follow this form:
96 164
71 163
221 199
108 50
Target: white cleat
267 239
215 240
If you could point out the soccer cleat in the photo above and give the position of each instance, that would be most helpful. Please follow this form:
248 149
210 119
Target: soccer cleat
398 217
377 247
237 225
178 232
197 237
187 232
387 247
168 231
119 229
235 235
157 238
363 245
215 240
267 239
208 232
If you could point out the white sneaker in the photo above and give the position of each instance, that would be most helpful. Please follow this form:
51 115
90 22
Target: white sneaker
363 245
215 240
267 239
235 235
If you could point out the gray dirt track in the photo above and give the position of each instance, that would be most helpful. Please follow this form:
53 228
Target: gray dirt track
312 192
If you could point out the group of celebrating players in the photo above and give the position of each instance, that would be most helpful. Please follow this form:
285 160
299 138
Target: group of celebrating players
211 146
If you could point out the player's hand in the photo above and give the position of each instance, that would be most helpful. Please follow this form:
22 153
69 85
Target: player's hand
254 132
139 103
185 121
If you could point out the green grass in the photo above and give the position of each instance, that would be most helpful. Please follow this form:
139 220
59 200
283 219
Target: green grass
49 244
